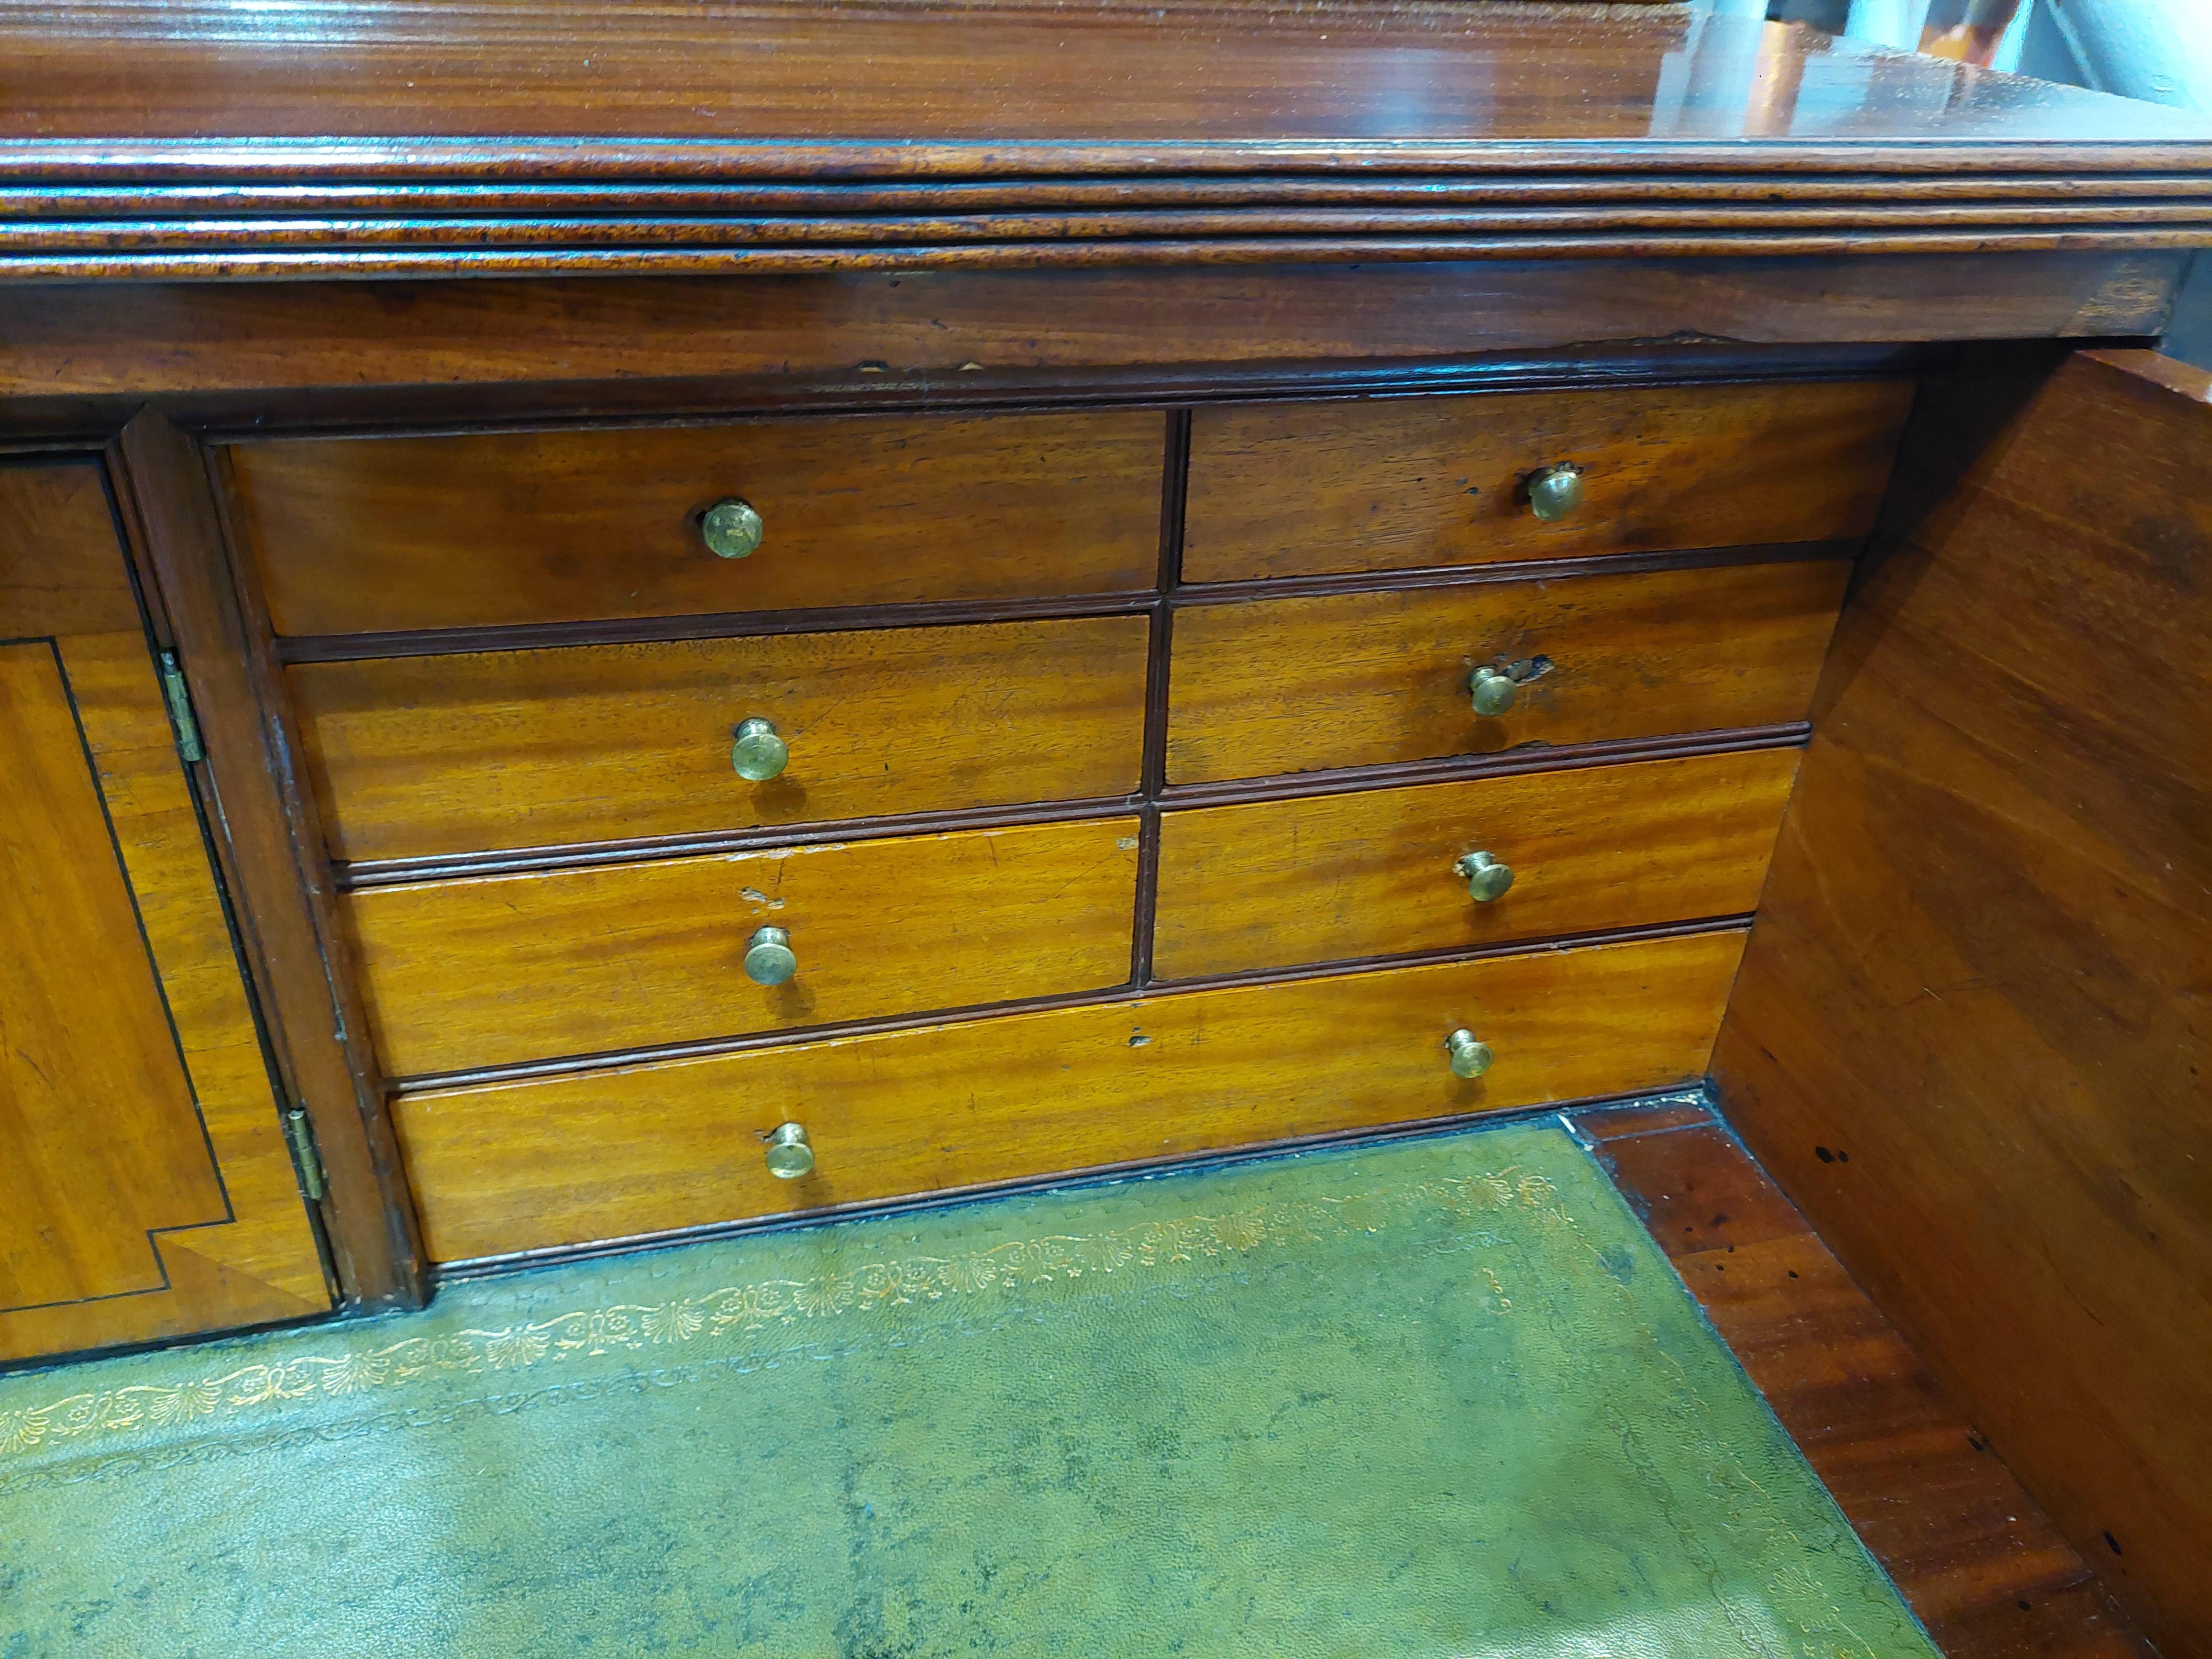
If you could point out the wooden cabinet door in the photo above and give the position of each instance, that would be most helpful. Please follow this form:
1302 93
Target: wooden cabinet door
147 1188
1972 1036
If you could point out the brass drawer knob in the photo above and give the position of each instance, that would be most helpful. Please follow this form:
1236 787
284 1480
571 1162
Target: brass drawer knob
732 528
1555 491
770 960
790 1154
759 752
1470 1056
1491 691
1486 878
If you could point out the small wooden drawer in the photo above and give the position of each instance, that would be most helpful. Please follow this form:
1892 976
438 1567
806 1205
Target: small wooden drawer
1298 488
359 535
566 1160
1274 686
1335 877
418 756
503 968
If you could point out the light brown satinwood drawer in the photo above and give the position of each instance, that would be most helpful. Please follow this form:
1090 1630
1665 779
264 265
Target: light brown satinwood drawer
1269 686
495 970
1298 489
1378 872
361 535
420 756
550 1161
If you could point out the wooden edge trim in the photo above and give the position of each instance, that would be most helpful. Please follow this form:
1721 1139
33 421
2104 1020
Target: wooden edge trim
271 851
441 410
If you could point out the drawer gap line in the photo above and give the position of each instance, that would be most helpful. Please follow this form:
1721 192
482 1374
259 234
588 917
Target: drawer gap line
300 649
1506 763
592 855
1330 583
1175 480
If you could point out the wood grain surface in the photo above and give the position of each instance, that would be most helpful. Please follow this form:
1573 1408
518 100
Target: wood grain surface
1336 878
146 1190
984 90
99 1132
406 346
563 1160
361 535
484 136
483 972
1288 489
431 755
1971 1038
1368 678
1971 1552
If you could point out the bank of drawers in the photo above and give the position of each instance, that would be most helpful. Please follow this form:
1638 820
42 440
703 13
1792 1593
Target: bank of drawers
557 865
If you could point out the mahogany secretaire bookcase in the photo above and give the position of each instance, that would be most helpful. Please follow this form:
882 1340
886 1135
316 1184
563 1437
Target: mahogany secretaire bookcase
622 619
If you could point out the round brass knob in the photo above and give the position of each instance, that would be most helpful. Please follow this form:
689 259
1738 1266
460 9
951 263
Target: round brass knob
759 753
1555 491
790 1154
1492 692
770 960
1470 1056
1486 878
732 528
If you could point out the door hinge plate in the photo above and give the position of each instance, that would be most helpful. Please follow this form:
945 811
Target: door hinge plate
175 693
305 1157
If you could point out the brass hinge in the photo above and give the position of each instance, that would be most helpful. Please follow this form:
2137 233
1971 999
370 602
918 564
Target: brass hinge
305 1157
179 699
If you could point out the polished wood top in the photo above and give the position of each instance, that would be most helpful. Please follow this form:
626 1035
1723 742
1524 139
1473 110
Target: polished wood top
492 68
205 139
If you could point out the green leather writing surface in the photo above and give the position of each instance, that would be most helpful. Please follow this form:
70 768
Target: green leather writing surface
1434 1397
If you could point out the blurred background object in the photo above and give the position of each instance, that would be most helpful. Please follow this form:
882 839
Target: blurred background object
2159 51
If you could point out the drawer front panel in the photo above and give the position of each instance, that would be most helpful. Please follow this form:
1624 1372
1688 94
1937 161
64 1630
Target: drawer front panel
425 755
358 535
1334 878
1360 679
1282 490
505 969
617 1154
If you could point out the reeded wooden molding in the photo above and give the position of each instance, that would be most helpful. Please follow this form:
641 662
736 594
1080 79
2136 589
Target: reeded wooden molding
430 249
224 210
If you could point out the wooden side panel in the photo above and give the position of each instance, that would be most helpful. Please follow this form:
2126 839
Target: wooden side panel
1333 878
513 967
606 1155
1364 679
1974 1029
137 1098
359 535
433 755
1286 490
